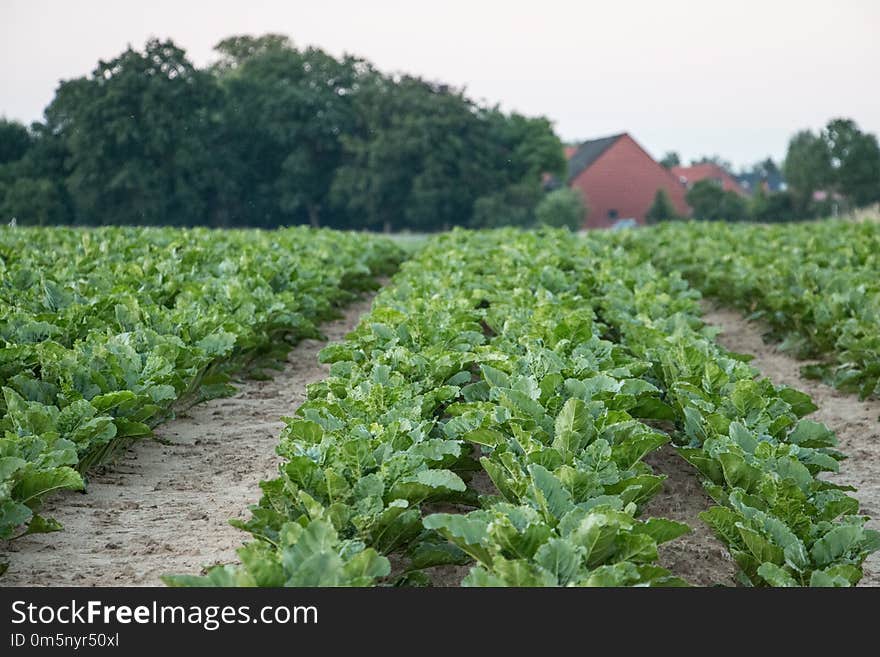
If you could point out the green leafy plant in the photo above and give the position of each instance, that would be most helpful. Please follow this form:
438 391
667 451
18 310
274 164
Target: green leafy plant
107 332
543 362
814 285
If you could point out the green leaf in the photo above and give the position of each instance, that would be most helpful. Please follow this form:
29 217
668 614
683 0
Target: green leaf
365 567
425 484
823 579
662 530
9 465
12 515
466 531
840 542
487 437
521 573
723 522
776 575
800 402
262 565
494 377
560 558
651 408
550 495
812 434
33 486
428 553
761 549
217 344
573 418
737 472
573 428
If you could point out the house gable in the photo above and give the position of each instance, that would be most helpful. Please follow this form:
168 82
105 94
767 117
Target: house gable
619 180
587 153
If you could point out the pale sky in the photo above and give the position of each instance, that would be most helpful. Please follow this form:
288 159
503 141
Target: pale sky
735 78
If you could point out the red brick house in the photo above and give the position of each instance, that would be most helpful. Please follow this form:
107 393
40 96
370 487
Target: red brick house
691 175
619 179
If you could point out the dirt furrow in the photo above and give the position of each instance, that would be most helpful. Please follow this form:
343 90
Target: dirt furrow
698 557
163 508
857 423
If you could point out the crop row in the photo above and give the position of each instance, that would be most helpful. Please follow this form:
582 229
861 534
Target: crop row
473 358
539 360
759 457
106 332
814 285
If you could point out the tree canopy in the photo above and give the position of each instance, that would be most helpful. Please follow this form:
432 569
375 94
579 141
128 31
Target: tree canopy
270 135
661 209
712 203
15 140
840 160
562 208
671 159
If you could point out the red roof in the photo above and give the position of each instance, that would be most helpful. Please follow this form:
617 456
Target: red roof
708 171
569 151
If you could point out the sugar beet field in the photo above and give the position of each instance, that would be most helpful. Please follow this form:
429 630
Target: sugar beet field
689 404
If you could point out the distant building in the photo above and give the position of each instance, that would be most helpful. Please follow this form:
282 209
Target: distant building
769 181
689 176
619 180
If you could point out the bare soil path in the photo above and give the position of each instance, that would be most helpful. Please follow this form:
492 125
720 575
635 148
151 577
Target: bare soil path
698 557
857 423
163 508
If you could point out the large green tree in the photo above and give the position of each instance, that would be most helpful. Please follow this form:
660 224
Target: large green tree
521 155
140 137
32 179
402 163
286 113
712 203
807 166
15 140
425 157
855 162
840 159
270 135
773 207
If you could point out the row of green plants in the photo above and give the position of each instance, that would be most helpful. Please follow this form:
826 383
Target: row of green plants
475 358
107 332
535 359
760 458
814 285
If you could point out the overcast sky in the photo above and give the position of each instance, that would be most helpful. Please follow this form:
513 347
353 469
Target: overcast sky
735 78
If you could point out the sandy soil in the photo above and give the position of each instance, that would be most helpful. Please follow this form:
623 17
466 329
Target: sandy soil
163 508
857 423
698 557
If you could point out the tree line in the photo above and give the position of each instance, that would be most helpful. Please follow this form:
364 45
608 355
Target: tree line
834 170
271 135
